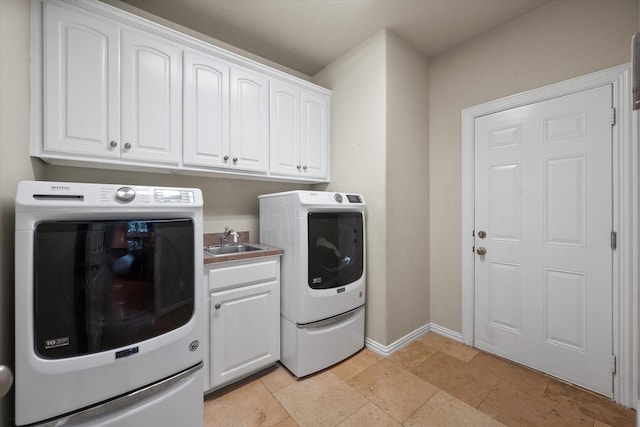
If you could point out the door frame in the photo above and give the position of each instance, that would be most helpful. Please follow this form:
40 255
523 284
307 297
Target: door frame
624 214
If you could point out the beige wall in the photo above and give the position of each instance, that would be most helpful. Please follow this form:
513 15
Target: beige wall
379 111
558 41
358 156
14 159
407 225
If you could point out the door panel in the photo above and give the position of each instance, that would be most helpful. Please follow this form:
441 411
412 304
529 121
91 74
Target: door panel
152 104
249 132
206 111
543 290
81 83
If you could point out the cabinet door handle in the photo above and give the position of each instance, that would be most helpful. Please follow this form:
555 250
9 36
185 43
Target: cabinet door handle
113 144
299 167
304 167
235 160
127 146
217 306
226 158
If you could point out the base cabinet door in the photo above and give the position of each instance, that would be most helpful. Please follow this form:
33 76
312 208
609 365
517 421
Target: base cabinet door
244 331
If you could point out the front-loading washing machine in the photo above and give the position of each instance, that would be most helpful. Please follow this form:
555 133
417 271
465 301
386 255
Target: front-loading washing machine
322 277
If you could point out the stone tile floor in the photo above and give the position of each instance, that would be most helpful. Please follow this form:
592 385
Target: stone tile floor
434 381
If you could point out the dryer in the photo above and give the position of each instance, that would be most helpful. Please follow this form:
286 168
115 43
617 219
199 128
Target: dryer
322 274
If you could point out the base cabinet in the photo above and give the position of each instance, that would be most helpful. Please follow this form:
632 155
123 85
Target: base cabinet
244 320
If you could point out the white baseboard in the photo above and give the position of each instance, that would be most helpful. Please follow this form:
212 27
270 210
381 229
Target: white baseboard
388 350
441 330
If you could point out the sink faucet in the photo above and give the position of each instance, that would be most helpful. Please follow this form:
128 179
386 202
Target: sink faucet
225 236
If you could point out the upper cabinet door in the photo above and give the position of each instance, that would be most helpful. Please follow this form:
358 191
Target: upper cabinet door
315 135
206 111
152 99
82 96
285 129
249 134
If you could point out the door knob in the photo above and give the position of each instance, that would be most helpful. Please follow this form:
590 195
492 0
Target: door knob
6 379
482 234
217 306
481 251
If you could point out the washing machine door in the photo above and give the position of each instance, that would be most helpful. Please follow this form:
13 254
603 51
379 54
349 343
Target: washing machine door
336 248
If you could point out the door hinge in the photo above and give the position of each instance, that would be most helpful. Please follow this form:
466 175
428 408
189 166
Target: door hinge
614 240
613 363
613 117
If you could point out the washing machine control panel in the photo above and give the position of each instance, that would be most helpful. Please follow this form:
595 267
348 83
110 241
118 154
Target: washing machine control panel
354 198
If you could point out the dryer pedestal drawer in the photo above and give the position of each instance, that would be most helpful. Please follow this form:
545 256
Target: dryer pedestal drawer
303 348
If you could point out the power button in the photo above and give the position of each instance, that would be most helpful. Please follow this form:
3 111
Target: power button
125 194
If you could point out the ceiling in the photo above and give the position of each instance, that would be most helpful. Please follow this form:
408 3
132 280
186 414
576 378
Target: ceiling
308 35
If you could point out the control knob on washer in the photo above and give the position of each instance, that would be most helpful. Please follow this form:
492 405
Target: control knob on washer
125 194
338 197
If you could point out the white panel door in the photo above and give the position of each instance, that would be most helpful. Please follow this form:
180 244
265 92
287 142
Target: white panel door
314 135
543 214
206 111
152 99
249 134
82 89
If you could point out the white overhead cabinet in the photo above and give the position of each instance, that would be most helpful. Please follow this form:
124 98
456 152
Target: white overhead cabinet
151 99
94 109
299 132
226 116
111 89
206 111
81 83
249 139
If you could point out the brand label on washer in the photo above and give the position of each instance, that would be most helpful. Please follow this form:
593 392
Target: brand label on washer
56 342
316 280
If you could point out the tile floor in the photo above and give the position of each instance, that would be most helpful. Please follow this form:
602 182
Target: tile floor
434 381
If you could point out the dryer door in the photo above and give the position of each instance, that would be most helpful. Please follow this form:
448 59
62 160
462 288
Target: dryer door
336 249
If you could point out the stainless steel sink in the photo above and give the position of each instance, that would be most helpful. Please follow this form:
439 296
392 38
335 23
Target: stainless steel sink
231 249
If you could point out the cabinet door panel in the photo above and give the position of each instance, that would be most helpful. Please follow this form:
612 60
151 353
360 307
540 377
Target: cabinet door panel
249 100
285 129
152 83
315 135
206 111
81 83
245 331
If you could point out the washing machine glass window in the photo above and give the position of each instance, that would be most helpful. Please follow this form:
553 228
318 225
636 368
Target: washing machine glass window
335 249
103 284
